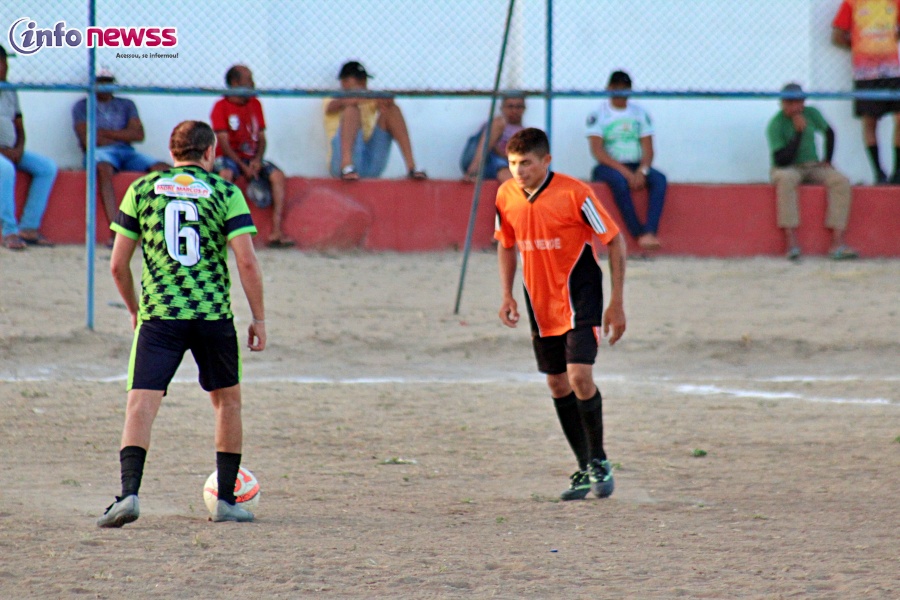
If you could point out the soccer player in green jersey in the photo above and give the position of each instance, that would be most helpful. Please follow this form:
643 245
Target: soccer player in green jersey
184 219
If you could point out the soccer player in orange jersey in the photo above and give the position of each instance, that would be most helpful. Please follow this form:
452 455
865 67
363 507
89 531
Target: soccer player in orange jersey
552 220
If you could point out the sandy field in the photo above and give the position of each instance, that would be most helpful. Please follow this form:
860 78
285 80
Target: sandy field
407 452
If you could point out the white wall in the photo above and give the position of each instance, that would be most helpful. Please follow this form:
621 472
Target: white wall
701 44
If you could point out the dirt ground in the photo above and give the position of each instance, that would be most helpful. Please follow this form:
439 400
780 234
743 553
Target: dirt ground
407 452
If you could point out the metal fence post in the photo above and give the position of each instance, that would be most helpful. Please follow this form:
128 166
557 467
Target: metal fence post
484 148
548 116
91 174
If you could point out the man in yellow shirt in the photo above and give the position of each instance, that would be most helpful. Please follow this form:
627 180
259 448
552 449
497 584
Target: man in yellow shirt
360 130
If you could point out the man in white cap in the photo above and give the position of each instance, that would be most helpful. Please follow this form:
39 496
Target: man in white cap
118 127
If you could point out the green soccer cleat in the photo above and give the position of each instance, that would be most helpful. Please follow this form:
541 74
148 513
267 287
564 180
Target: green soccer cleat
579 488
122 511
600 473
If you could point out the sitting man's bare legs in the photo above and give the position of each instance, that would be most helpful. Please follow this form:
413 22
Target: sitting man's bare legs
351 122
390 118
277 181
105 172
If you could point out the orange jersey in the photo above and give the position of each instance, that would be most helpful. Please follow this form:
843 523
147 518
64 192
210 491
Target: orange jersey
873 36
553 230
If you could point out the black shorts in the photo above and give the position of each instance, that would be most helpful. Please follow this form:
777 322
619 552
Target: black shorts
160 344
576 346
876 108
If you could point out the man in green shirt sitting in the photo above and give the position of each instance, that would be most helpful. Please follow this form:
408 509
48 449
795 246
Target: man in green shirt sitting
791 135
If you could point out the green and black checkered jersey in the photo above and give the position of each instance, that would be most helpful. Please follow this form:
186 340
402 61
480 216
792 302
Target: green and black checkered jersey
183 219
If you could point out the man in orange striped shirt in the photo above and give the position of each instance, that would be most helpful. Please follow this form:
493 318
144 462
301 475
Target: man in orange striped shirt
552 220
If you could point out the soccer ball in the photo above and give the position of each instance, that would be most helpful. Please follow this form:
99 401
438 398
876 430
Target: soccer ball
246 491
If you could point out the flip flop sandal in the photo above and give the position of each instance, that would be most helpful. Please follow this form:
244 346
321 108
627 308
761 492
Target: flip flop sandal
349 173
417 174
14 242
40 240
281 243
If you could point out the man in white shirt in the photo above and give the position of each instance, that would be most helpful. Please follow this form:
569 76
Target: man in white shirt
19 234
621 141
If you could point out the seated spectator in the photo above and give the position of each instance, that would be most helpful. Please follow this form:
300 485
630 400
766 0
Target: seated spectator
241 133
118 126
360 130
503 127
14 157
621 141
795 160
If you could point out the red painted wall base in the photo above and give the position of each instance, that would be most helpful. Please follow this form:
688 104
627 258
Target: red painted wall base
410 216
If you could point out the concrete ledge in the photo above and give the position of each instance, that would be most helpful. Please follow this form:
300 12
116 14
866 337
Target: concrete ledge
411 216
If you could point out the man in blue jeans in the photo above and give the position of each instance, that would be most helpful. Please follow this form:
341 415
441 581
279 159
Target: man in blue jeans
360 130
118 126
14 157
621 140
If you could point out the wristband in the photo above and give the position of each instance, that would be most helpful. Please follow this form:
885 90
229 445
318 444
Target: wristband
263 321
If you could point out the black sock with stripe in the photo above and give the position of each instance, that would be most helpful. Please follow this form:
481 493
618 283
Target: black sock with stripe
876 161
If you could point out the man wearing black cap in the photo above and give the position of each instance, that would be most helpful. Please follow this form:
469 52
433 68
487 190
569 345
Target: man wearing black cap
360 130
17 235
795 160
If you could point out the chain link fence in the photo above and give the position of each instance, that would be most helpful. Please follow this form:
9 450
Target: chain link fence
698 45
685 45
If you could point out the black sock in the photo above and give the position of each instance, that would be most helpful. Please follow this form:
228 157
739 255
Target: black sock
876 162
228 465
896 162
591 411
131 459
570 419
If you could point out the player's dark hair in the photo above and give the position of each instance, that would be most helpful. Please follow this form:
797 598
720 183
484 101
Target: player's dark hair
530 139
190 140
232 75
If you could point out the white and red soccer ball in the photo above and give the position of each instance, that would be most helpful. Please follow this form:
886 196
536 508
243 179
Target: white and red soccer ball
246 491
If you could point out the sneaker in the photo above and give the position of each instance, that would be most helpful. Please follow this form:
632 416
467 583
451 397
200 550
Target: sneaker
123 510
231 512
600 473
579 488
843 253
793 253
